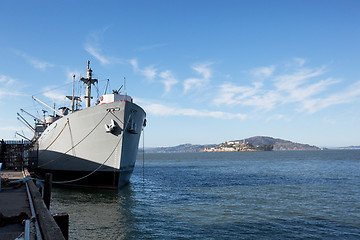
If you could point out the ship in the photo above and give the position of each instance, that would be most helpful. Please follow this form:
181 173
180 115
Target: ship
94 146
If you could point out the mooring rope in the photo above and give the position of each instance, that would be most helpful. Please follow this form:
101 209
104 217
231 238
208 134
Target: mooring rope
81 178
143 166
57 136
89 174
47 163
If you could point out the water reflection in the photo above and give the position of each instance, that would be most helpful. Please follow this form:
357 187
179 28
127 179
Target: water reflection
96 213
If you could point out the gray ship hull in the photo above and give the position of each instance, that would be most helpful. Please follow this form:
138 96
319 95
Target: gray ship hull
94 146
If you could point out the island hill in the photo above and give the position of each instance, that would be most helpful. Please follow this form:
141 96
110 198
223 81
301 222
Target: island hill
238 146
259 143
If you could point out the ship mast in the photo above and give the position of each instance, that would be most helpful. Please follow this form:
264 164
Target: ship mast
88 81
73 95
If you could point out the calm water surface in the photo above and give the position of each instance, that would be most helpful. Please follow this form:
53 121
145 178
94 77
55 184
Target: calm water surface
242 195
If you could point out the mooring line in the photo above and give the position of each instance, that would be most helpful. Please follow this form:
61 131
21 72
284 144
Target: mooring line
81 178
47 163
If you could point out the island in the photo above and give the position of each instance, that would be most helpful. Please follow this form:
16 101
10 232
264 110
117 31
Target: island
238 146
258 143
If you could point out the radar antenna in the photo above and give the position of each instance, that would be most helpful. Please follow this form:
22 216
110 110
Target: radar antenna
117 91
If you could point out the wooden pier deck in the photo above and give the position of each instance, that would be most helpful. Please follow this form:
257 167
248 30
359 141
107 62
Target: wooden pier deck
23 211
13 202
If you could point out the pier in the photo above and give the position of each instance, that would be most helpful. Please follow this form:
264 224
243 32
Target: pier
24 210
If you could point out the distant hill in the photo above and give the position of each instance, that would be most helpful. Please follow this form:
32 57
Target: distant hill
180 148
279 145
348 148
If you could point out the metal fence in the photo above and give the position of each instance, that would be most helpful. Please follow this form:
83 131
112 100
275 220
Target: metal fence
13 154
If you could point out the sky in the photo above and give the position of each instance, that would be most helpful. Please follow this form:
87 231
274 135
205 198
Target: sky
205 72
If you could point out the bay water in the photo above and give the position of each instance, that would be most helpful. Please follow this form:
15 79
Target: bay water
233 195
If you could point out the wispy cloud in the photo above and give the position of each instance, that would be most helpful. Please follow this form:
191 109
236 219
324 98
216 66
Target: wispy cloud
168 79
253 95
302 93
263 72
55 95
93 47
134 63
203 69
5 93
291 81
6 87
305 87
36 63
6 80
163 110
96 52
299 61
347 96
70 74
195 83
148 72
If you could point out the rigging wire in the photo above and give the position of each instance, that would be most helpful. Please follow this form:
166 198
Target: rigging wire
143 166
97 90
51 89
75 144
78 179
81 178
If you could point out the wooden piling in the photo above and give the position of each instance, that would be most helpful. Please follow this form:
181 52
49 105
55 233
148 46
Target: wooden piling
62 220
47 189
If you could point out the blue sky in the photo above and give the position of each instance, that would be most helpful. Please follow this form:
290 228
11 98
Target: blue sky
204 71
